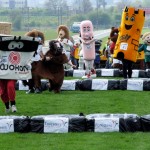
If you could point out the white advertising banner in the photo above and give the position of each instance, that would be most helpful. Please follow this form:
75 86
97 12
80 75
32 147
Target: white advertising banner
56 125
99 84
13 65
135 73
22 87
68 85
6 125
106 124
107 72
78 73
135 84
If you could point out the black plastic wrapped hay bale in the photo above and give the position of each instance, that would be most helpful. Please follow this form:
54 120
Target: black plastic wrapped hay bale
69 73
37 125
22 125
142 74
130 125
113 84
146 85
98 72
145 123
123 84
148 73
116 73
84 85
90 125
77 124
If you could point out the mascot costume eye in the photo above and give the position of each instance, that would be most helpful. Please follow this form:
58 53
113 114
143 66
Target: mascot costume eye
129 34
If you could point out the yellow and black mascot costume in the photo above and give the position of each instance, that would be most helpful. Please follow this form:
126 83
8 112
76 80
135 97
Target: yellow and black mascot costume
126 47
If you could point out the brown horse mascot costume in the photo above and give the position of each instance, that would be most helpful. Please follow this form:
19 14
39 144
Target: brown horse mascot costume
51 68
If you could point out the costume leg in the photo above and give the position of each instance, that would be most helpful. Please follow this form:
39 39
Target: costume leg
31 84
129 69
87 67
125 66
147 65
11 89
3 91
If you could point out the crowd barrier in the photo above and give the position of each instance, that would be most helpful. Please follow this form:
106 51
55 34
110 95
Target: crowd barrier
64 123
134 84
109 73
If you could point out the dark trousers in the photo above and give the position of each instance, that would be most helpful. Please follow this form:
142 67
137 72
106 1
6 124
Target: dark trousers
147 64
127 68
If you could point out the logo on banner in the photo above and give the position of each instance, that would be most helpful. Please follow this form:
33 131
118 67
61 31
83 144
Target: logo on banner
56 125
14 58
106 124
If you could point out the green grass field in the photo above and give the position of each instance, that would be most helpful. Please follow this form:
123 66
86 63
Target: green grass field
74 102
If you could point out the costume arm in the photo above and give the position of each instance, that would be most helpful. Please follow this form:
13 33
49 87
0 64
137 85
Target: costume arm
68 42
141 48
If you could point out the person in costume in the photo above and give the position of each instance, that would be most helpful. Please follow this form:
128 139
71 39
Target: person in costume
88 47
126 47
67 43
8 94
146 48
38 56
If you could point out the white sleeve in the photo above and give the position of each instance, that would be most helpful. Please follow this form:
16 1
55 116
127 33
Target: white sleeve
39 49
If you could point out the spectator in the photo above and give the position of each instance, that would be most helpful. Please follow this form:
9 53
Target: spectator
146 48
108 56
97 54
76 54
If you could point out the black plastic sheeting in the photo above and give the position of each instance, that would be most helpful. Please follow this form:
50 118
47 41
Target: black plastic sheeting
81 123
123 84
44 85
146 85
126 121
37 125
130 125
77 123
113 85
116 73
86 84
21 123
145 123
148 73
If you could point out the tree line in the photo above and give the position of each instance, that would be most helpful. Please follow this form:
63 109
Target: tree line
58 12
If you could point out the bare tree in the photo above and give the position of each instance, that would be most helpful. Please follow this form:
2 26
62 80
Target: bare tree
82 6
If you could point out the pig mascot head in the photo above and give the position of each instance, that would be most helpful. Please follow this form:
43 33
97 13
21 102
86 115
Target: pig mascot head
86 29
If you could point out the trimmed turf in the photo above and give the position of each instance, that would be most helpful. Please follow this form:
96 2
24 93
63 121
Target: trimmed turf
74 102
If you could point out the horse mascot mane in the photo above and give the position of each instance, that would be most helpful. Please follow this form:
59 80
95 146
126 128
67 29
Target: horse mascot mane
36 33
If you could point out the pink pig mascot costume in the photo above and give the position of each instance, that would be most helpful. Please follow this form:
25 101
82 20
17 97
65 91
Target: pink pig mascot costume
88 47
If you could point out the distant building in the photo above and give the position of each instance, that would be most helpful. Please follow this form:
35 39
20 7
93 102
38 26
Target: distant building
20 3
13 3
